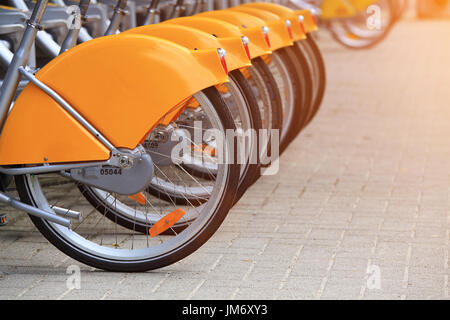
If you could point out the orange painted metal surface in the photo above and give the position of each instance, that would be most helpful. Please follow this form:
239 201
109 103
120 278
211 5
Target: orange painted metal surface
121 84
195 39
310 22
332 9
280 34
283 12
249 25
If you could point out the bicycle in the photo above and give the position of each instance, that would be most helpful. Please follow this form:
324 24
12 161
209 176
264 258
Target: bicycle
91 149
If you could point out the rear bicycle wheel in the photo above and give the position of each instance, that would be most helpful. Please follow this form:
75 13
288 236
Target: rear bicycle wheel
241 102
318 73
280 65
104 243
304 91
267 93
354 33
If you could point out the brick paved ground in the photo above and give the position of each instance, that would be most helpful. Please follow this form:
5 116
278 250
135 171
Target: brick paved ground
366 185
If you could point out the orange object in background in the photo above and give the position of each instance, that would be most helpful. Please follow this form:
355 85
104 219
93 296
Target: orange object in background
139 198
166 222
433 8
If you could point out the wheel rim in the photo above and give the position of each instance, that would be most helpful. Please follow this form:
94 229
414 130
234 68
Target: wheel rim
112 242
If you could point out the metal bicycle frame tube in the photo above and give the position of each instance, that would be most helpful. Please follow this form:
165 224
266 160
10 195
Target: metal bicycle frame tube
72 36
119 11
152 11
20 59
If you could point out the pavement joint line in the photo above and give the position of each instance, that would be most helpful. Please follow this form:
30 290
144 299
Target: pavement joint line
446 257
31 287
202 281
311 176
60 263
219 258
362 292
446 267
330 266
106 294
406 272
291 265
160 282
289 269
109 291
11 243
64 294
235 293
194 291
252 265
373 251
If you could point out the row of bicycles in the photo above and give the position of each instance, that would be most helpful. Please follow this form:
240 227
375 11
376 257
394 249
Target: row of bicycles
357 24
129 129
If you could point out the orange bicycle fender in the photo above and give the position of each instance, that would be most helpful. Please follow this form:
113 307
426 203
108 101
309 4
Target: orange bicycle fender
194 39
362 5
280 34
249 25
220 29
122 84
310 22
332 9
283 12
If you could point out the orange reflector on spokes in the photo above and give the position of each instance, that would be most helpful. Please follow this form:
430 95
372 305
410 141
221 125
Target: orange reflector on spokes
166 222
204 148
139 197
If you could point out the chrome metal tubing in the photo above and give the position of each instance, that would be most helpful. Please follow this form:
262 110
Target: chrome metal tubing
66 213
34 211
119 11
72 36
47 168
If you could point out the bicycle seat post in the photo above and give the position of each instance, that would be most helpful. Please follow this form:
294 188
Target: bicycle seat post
119 11
72 36
152 12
